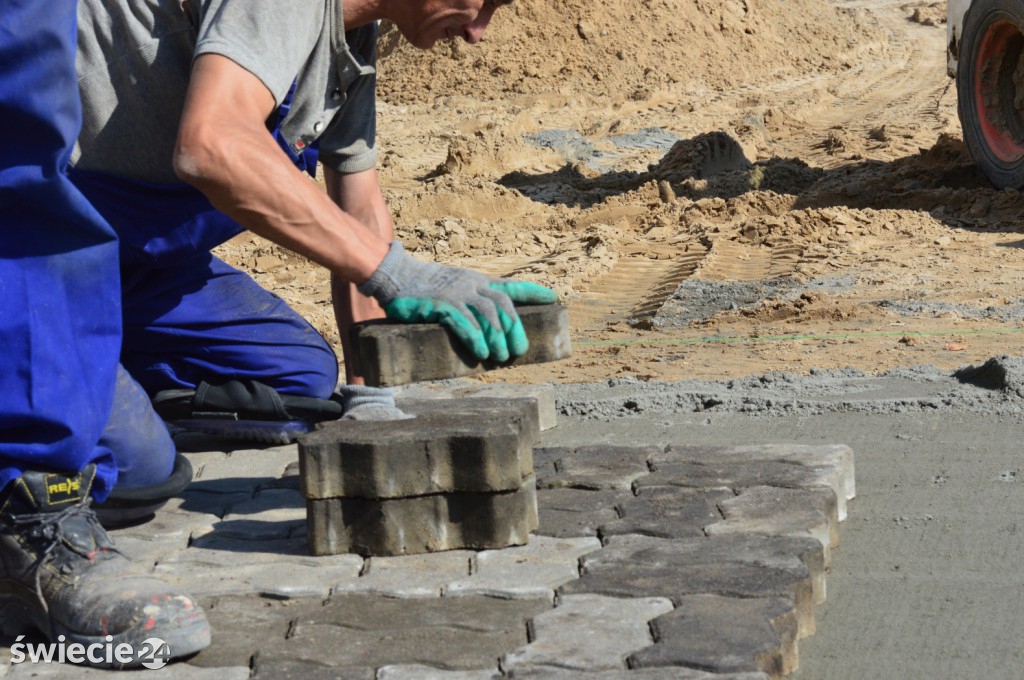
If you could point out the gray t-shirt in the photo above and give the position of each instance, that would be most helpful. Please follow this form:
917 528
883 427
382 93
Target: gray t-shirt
134 59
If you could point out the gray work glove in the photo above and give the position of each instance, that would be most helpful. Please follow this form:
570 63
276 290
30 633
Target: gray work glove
480 310
359 402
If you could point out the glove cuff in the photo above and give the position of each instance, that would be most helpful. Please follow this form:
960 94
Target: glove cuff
394 270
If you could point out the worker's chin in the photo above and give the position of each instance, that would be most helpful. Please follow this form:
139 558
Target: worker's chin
424 42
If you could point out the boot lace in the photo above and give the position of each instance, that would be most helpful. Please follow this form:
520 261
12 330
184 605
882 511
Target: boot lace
46 529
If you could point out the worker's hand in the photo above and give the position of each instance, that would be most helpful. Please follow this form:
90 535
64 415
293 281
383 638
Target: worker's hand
478 309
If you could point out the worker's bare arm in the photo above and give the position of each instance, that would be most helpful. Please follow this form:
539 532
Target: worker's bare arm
225 151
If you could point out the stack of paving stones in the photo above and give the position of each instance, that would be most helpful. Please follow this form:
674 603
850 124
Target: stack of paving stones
457 475
649 563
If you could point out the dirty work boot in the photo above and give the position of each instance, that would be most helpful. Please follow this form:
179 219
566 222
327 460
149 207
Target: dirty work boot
60 573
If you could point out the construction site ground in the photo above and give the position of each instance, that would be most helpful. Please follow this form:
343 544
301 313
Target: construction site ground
767 230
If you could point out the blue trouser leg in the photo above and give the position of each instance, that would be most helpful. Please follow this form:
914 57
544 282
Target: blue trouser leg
60 328
142 446
200 319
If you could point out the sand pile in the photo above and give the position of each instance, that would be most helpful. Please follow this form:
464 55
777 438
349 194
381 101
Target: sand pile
627 48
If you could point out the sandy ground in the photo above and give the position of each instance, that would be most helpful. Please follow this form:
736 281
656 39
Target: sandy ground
752 186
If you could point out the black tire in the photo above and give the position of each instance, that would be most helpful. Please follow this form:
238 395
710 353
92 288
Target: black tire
990 89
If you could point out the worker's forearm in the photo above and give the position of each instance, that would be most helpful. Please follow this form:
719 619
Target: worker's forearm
247 176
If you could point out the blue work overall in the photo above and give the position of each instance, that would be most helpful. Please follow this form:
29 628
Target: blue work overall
186 316
60 330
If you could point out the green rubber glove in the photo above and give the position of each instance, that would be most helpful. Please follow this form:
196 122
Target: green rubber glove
480 310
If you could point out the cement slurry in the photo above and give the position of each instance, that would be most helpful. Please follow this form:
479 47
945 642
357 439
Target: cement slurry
926 582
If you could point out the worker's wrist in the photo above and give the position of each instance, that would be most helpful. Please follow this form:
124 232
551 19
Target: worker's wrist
390 274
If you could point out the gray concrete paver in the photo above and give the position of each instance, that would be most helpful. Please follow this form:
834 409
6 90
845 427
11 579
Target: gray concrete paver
588 633
410 575
599 467
725 635
570 513
418 672
668 511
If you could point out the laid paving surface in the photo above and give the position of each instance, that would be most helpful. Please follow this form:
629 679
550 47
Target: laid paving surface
651 562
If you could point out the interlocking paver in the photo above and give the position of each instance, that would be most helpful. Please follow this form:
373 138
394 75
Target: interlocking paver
668 511
224 565
530 571
522 412
450 634
588 633
743 475
410 575
725 635
568 513
420 524
598 467
242 624
677 581
414 672
543 394
805 454
273 513
432 453
782 512
771 551
397 354
268 668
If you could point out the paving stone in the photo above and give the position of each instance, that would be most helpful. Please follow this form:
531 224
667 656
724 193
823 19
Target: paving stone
238 471
668 511
567 513
144 552
598 467
432 453
746 474
544 458
237 567
410 575
804 454
397 354
459 634
209 502
373 612
540 550
782 512
423 524
522 412
273 513
677 581
413 672
241 624
588 632
174 527
288 669
530 571
543 395
724 635
675 673
515 581
770 551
